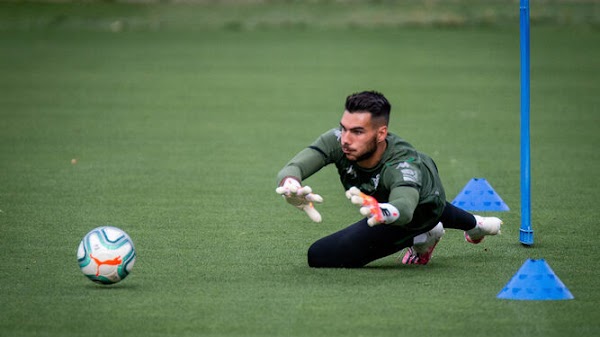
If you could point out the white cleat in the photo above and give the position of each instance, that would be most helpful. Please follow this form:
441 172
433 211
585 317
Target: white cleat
424 244
485 226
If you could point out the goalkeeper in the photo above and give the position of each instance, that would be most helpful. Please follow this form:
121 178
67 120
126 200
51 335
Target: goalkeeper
397 189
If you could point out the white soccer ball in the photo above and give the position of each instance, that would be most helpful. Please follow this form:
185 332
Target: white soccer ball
106 255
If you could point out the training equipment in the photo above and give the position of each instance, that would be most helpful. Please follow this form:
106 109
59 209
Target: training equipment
106 255
526 232
535 280
423 245
377 213
300 197
485 226
479 195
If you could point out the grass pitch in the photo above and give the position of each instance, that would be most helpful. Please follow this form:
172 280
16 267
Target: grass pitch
178 135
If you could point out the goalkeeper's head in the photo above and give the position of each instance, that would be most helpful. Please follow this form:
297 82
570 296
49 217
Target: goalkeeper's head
363 128
370 101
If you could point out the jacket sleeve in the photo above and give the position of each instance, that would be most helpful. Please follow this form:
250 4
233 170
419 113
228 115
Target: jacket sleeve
323 151
405 199
304 164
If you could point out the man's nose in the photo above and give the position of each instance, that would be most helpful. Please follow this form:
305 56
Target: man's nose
345 139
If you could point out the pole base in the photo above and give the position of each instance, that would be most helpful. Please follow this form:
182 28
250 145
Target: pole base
526 236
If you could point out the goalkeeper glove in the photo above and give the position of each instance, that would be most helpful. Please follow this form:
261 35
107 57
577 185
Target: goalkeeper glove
376 213
300 197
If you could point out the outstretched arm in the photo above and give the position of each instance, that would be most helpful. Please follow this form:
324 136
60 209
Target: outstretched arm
406 199
306 163
302 166
399 211
300 197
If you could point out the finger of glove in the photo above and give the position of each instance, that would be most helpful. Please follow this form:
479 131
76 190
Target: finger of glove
365 211
287 190
357 200
293 188
312 197
372 222
292 198
312 213
302 191
283 190
353 191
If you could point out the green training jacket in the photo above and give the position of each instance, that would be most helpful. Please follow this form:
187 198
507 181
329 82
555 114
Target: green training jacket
401 169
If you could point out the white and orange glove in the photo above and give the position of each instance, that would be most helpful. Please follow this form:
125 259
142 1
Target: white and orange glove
376 213
300 197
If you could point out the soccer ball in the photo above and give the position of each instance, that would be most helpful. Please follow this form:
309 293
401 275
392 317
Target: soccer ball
106 255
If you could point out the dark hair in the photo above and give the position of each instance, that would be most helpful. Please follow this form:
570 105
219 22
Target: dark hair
371 101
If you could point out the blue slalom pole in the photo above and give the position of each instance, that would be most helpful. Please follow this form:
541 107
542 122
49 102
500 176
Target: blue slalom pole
526 232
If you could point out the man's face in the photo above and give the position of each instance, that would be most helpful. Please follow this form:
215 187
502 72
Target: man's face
360 135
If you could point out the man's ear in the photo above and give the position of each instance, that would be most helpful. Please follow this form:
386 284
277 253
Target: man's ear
382 132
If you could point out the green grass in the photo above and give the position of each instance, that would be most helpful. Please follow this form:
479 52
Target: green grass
243 15
178 136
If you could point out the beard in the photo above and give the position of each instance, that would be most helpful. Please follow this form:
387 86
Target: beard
371 147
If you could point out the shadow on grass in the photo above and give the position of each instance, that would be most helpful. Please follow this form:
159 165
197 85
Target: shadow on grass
121 286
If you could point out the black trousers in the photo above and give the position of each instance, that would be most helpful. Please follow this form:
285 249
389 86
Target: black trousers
358 244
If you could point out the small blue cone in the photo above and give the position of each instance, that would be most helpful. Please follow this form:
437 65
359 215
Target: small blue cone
478 195
535 281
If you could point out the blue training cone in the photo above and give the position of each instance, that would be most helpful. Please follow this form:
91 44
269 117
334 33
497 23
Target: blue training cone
535 281
478 195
